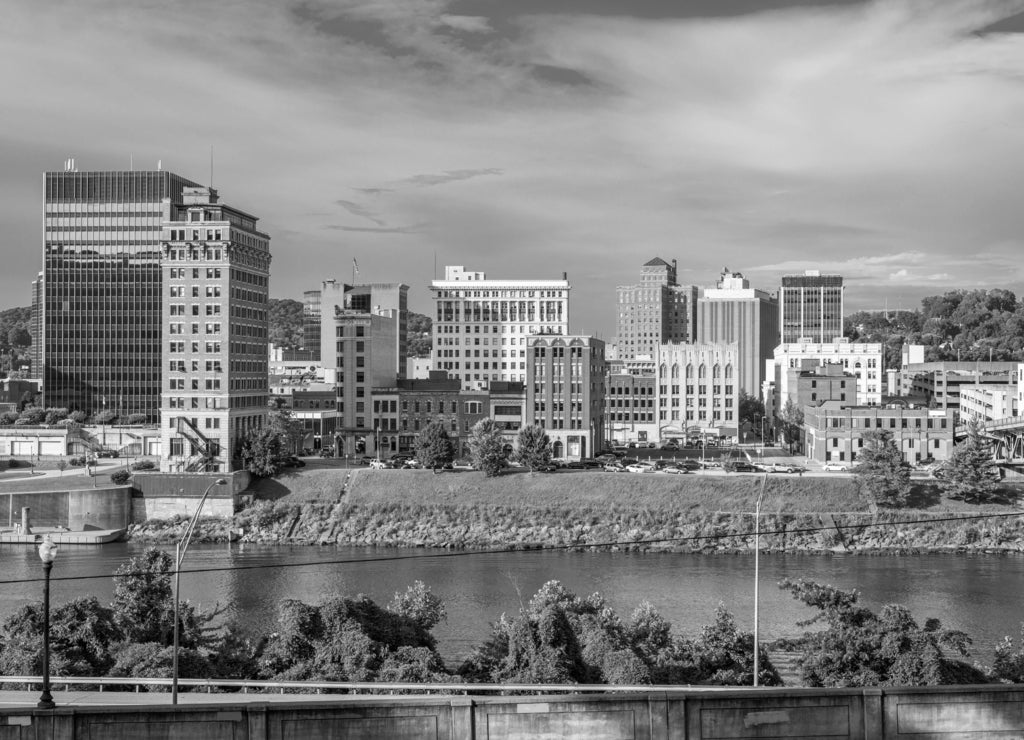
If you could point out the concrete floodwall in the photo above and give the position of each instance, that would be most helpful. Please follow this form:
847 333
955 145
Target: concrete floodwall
166 495
740 714
90 508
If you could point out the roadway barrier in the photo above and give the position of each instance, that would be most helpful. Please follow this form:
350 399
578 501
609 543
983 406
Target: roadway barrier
619 713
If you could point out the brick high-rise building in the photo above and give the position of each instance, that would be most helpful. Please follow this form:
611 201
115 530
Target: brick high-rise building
216 286
100 324
655 311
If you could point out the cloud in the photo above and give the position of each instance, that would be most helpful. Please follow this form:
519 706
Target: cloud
468 23
449 176
870 139
357 210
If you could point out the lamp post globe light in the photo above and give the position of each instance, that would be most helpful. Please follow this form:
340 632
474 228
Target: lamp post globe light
180 548
47 553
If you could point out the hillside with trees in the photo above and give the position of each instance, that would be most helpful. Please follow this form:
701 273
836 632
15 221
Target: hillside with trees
285 323
965 325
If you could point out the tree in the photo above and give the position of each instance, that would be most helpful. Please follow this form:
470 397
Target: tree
284 320
861 648
487 446
106 416
751 409
290 430
143 603
55 415
261 452
533 447
791 422
419 340
882 469
434 448
32 415
19 337
82 636
971 473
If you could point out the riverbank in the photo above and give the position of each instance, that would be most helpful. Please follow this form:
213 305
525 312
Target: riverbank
588 509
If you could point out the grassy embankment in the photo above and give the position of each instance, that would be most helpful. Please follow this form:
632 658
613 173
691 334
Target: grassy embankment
686 513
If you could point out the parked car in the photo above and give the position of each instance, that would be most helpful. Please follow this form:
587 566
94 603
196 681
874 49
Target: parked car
781 468
738 466
107 453
575 465
670 445
675 470
835 467
614 467
639 468
590 462
462 465
688 464
327 452
290 461
379 464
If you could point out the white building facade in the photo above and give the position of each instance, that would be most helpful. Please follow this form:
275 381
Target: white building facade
862 360
698 390
481 326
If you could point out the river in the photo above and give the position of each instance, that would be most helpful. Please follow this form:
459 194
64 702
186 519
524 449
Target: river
979 594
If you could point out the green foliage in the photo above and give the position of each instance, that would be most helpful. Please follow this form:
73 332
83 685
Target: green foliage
261 452
155 660
1008 665
971 473
345 639
533 447
8 417
289 429
82 633
106 416
561 638
434 448
32 415
790 422
487 447
78 417
143 603
284 319
858 647
420 339
136 419
751 409
882 469
55 415
120 477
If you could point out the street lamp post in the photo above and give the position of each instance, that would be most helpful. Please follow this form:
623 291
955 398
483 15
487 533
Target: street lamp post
180 548
47 553
757 577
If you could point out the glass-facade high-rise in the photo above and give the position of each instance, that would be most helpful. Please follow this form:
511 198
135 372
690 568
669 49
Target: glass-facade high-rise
811 308
101 323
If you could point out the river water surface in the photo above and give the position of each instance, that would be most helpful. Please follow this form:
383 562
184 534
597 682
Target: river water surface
979 594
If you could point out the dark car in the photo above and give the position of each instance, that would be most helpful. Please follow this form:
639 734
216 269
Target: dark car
688 464
290 461
327 452
575 465
738 466
107 453
590 462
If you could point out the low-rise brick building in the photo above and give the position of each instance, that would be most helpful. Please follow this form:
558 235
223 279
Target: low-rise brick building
833 434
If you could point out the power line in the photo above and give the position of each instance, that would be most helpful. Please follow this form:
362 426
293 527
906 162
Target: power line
526 550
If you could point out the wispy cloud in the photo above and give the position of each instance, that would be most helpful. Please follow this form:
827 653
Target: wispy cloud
357 210
449 176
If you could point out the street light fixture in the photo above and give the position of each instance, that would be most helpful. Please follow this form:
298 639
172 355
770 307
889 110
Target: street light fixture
757 576
47 553
180 548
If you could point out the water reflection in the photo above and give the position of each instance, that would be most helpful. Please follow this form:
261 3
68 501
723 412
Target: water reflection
977 594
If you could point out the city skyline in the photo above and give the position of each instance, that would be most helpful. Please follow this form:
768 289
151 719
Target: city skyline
870 140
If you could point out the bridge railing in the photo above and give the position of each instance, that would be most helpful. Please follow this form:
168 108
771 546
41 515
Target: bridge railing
228 685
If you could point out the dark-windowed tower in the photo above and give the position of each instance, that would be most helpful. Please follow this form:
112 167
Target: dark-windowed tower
811 308
100 322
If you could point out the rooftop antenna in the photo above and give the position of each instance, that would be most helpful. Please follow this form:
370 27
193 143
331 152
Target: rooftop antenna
211 165
159 164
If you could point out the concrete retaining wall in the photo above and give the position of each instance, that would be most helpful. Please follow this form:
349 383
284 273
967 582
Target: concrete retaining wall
90 508
166 495
857 714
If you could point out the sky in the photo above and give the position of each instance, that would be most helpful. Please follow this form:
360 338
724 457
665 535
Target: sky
526 138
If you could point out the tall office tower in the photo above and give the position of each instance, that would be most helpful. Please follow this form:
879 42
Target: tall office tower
653 312
390 299
811 307
35 328
734 313
101 330
481 326
361 348
565 392
311 323
216 287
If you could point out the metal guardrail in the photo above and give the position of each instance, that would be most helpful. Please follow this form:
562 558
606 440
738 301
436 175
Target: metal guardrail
317 687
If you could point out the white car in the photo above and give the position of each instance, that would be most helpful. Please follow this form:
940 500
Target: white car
781 468
639 468
378 464
835 467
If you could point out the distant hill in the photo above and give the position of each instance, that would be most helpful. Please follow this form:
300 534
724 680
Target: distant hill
14 323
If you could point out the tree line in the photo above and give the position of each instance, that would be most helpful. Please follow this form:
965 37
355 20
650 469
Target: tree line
965 325
555 637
